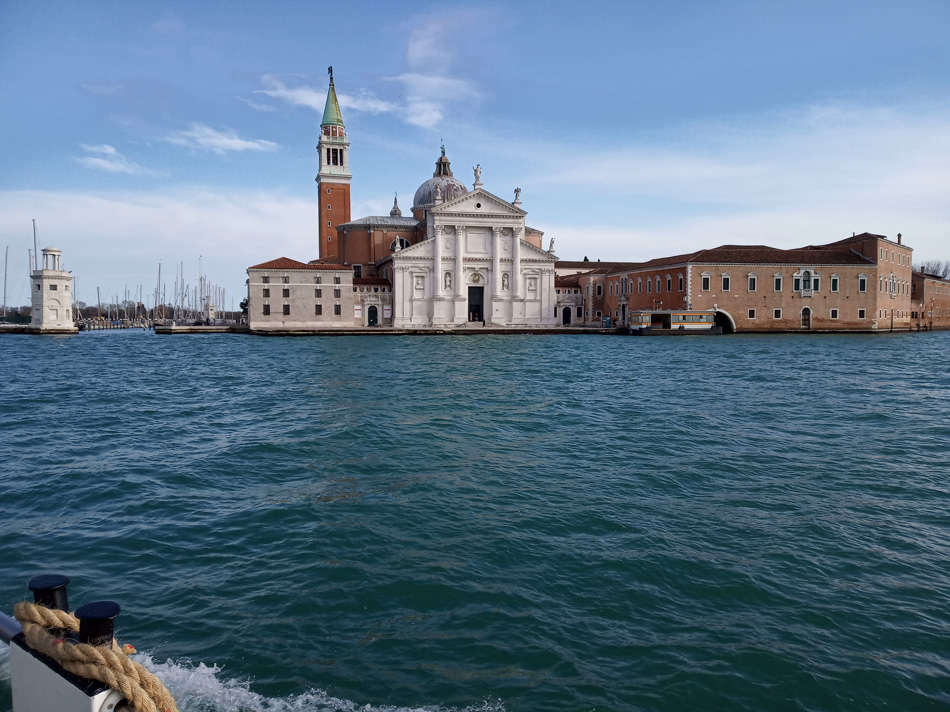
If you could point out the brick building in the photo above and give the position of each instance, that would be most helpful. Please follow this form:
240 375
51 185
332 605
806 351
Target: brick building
930 300
861 283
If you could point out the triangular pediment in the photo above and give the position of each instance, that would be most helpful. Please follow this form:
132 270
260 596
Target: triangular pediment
529 251
423 248
469 205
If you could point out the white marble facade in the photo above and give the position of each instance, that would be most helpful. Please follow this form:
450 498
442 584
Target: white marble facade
473 266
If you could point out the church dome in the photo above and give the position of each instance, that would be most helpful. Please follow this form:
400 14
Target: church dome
450 188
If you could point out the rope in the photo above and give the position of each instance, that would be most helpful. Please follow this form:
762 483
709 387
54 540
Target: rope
111 666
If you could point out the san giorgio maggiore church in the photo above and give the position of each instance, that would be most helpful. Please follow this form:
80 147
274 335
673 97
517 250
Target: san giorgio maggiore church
463 258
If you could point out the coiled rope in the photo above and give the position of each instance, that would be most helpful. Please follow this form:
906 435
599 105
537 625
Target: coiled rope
111 666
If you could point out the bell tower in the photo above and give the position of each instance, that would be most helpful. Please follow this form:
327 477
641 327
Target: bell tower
333 180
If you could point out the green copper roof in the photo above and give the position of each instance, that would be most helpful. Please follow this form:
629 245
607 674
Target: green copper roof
331 114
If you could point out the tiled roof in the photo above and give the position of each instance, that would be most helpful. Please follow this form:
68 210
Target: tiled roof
854 238
380 221
287 263
758 254
568 280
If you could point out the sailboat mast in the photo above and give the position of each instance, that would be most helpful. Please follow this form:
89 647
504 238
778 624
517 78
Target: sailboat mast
36 253
6 259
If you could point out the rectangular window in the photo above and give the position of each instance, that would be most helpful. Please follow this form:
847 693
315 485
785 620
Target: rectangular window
580 312
705 284
863 284
725 284
751 284
318 280
38 287
639 286
337 310
336 293
669 284
815 283
600 290
266 293
285 279
318 310
265 279
752 313
286 309
834 284
328 156
778 284
286 294
53 287
861 313
834 313
658 284
797 284
776 313
336 280
318 293
267 310
357 270
599 315
649 285
67 289
681 283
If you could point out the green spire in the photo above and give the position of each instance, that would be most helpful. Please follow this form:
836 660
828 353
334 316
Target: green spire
331 113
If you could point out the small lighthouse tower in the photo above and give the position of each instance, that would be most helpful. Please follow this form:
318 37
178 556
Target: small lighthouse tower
52 298
333 180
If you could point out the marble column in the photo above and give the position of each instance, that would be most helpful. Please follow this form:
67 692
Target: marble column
459 253
496 261
516 262
439 277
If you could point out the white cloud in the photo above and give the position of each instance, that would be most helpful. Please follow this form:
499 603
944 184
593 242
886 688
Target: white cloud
106 158
118 238
200 136
805 176
315 99
305 96
102 89
426 92
257 106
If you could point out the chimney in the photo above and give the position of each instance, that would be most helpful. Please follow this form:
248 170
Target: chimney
898 238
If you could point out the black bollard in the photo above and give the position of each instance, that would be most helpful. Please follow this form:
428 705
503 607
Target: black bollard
49 591
97 622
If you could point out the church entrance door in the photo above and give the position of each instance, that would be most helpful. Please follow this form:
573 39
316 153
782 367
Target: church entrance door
372 316
566 316
476 297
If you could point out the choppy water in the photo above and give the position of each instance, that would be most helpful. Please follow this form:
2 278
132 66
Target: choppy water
494 523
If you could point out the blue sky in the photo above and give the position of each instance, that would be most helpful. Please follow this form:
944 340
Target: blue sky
139 133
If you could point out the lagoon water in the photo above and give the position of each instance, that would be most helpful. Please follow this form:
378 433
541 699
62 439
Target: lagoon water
493 522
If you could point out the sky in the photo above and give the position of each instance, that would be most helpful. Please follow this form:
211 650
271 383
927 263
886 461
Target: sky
180 133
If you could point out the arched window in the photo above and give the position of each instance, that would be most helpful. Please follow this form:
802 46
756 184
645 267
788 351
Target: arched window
403 244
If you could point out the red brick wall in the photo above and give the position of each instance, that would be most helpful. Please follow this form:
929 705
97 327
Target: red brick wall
333 210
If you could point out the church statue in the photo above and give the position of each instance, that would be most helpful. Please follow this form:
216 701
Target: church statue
517 194
448 280
438 192
551 248
504 281
478 173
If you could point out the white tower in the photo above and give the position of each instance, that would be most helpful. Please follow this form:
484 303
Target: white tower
52 298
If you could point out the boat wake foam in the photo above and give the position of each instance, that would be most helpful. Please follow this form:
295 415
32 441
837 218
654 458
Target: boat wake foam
199 688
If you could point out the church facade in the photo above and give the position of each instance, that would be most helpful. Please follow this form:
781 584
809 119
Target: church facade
464 257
